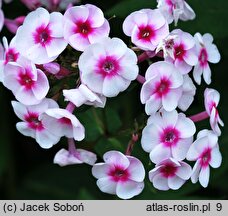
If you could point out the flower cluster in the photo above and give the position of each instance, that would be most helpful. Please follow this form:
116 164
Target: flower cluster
106 66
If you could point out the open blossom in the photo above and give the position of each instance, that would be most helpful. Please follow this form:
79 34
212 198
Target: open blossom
163 87
184 55
146 28
40 38
173 10
28 84
170 174
63 123
9 54
189 91
32 125
205 151
119 174
84 25
211 100
207 52
108 67
83 95
168 134
64 157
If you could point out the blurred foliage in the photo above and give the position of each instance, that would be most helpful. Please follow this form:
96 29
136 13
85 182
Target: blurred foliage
27 171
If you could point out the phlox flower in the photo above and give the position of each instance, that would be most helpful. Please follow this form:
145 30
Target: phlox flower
32 125
84 25
163 87
28 84
205 151
119 174
63 123
108 67
207 52
40 38
211 100
168 134
64 157
184 55
146 28
83 95
173 10
170 174
13 24
9 54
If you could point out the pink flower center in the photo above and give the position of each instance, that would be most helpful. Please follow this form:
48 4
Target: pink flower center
203 57
162 87
170 136
84 28
26 79
146 33
205 157
119 174
34 122
11 56
108 66
179 52
42 35
168 170
65 121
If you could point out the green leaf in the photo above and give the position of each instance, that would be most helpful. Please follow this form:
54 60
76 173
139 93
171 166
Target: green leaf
113 120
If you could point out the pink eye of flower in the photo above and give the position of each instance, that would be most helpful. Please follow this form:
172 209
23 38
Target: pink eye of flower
84 28
34 122
119 174
65 120
26 79
168 170
162 87
205 157
146 33
42 35
169 136
203 57
179 52
11 56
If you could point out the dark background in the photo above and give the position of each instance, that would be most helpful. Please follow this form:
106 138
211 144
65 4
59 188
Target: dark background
27 171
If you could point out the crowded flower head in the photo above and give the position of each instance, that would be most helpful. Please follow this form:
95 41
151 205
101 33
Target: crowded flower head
62 61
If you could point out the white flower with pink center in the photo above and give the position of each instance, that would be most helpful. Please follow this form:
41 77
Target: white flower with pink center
211 101
189 91
168 134
146 28
207 53
83 95
119 174
184 55
61 122
40 38
28 84
10 54
173 10
79 156
170 174
108 67
205 151
84 25
163 87
32 125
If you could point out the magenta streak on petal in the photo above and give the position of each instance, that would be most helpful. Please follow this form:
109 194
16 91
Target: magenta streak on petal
170 6
179 52
205 157
42 35
33 121
11 56
203 57
119 174
169 136
146 33
83 28
65 121
162 87
25 78
168 170
199 117
108 66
